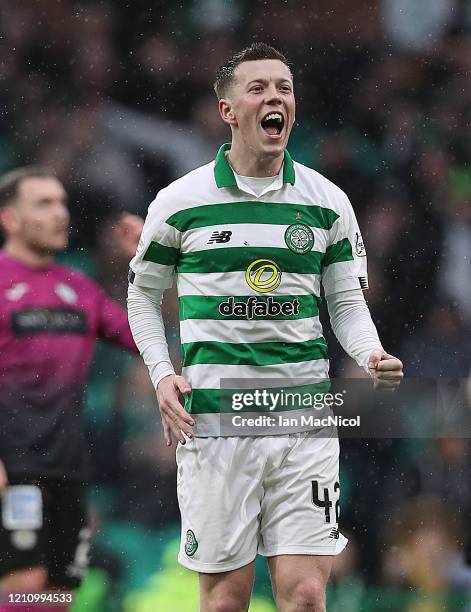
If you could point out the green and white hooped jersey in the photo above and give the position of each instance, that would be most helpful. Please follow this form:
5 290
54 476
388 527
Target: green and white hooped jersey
249 272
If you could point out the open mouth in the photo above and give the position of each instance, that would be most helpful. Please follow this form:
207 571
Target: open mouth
273 123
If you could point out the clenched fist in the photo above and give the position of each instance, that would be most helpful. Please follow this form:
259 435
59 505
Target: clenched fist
385 370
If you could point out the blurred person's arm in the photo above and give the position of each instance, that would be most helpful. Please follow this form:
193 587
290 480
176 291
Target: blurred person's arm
3 477
127 229
157 137
113 324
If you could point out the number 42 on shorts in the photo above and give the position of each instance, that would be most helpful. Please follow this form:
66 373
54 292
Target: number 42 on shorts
325 502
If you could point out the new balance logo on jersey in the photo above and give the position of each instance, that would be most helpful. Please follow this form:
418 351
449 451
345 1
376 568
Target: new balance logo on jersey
220 237
334 534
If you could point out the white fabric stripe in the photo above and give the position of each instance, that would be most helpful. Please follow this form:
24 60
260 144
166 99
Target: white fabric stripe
311 189
234 283
260 235
344 275
169 236
242 331
208 376
153 275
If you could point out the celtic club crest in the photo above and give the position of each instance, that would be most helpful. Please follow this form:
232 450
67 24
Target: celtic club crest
299 238
191 544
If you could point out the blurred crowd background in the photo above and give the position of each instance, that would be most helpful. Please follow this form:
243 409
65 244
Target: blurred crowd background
117 98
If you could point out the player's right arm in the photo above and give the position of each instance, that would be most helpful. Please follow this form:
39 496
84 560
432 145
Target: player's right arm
152 272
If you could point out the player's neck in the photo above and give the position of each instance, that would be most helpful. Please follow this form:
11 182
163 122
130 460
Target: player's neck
22 252
247 163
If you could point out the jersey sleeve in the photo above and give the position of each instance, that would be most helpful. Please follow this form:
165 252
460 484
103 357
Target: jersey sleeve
158 251
344 262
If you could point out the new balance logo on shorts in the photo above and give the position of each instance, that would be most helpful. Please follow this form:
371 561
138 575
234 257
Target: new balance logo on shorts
334 534
220 237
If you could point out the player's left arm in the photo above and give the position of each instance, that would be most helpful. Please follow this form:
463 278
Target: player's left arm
354 328
344 277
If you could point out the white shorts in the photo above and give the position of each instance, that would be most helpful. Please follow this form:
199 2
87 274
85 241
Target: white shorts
240 496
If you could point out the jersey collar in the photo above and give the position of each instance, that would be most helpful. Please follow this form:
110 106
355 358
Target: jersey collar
225 176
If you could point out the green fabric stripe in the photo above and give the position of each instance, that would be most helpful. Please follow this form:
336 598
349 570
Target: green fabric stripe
158 253
202 307
203 401
271 213
289 175
253 353
237 259
223 173
340 251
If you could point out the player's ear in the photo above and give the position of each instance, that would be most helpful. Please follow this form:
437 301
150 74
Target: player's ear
9 220
227 112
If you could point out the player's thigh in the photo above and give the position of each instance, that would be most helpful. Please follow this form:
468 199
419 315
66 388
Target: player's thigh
219 493
69 549
299 581
300 508
23 552
229 591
